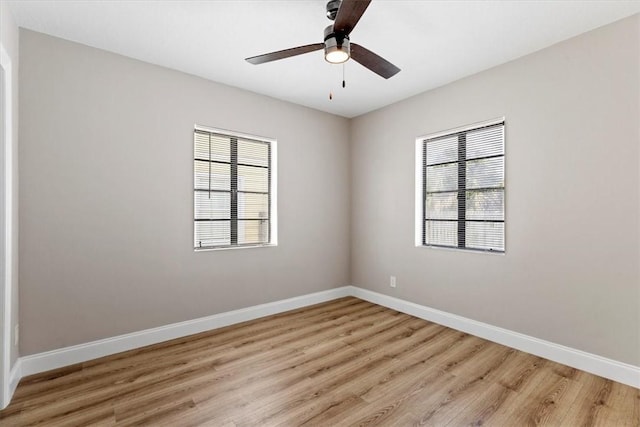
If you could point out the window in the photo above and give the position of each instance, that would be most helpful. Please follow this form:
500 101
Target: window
233 197
462 188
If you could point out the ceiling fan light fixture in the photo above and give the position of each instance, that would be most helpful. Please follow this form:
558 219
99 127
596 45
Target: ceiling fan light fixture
336 53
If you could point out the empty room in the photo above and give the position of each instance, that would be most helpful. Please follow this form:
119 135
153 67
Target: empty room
325 213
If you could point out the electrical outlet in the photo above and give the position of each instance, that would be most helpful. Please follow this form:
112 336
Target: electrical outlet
392 281
16 335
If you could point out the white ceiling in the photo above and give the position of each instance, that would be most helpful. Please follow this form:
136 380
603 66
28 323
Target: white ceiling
433 42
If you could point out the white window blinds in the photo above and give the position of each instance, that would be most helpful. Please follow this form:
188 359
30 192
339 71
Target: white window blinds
463 188
232 190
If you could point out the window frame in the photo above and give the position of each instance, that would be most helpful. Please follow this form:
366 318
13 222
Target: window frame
421 184
271 194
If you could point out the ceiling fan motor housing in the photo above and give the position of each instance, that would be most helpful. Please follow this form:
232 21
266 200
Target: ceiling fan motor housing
332 9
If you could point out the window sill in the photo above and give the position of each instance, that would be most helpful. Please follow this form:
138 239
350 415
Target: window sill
227 248
468 250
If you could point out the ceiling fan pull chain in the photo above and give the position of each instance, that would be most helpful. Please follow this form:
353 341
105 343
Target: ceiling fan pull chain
343 82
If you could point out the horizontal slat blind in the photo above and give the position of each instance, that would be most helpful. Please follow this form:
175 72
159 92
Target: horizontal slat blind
253 192
232 181
463 176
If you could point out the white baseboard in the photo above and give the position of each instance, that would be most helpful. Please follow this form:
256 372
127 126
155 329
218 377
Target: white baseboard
14 376
66 356
607 368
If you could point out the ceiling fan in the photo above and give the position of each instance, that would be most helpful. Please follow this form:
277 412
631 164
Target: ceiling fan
337 45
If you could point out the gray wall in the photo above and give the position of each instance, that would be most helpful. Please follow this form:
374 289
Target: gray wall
9 36
106 197
570 274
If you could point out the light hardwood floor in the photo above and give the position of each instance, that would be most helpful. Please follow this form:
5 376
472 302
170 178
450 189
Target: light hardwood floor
345 362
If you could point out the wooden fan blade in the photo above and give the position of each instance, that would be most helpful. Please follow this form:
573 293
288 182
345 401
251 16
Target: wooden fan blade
375 63
349 14
281 54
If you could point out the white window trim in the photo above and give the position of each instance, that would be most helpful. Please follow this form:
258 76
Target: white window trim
419 184
273 209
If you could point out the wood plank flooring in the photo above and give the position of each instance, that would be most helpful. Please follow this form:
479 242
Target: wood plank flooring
342 363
